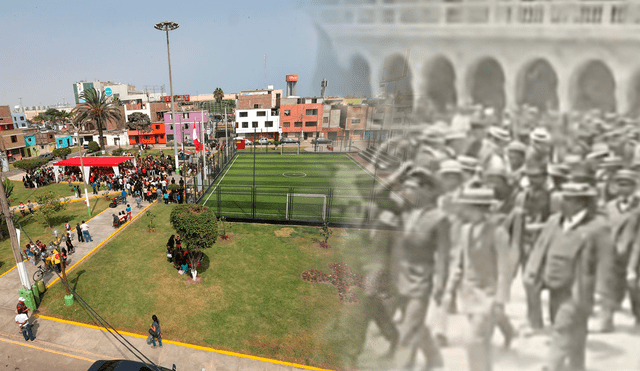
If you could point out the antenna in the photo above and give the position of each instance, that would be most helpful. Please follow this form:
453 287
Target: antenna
265 71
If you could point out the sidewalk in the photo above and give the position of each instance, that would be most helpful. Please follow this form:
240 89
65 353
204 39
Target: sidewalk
101 229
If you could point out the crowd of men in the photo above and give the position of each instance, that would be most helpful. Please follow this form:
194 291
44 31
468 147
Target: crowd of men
482 199
38 178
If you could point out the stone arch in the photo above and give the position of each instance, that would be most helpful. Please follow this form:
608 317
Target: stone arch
485 83
634 95
359 77
593 86
440 84
537 85
397 76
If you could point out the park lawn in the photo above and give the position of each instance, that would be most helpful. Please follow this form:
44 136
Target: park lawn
20 193
35 226
252 299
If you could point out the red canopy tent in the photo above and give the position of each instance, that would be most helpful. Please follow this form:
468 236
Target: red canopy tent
88 162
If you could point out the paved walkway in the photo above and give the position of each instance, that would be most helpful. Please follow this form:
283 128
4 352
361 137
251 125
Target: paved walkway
92 343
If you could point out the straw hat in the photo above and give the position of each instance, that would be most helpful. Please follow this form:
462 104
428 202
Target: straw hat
517 146
499 133
475 196
450 167
625 174
579 190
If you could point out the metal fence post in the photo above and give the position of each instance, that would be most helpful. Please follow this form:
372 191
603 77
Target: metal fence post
219 200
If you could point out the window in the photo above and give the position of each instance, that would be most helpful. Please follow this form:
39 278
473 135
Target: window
355 121
41 147
161 136
297 124
254 124
21 117
268 124
170 127
261 113
244 114
286 124
314 100
257 106
160 116
146 137
311 124
157 127
14 139
312 112
169 137
287 112
185 115
325 120
245 125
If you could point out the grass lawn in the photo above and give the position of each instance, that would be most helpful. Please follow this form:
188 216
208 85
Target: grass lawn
252 298
270 149
20 193
35 226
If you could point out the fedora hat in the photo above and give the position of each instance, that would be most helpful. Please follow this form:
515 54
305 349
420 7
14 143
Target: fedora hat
582 172
475 196
598 151
626 174
424 176
540 135
574 189
450 167
468 163
499 133
517 146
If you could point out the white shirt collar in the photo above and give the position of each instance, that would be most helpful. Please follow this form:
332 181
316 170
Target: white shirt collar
574 220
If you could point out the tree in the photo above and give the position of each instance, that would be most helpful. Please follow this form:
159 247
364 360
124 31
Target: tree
93 146
30 165
8 187
117 101
218 94
139 121
61 152
49 205
197 226
326 232
97 109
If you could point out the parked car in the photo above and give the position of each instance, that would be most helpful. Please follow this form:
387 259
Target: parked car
263 141
290 140
124 365
48 156
320 141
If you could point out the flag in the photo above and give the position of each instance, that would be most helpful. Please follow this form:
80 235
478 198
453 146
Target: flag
196 140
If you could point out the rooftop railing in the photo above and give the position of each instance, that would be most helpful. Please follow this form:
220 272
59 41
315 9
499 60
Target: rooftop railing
420 12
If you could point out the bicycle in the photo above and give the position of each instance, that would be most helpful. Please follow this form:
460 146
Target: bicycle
42 270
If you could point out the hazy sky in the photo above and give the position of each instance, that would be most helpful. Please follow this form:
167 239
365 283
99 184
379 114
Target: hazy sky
46 46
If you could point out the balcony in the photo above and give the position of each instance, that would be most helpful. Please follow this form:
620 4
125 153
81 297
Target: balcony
480 13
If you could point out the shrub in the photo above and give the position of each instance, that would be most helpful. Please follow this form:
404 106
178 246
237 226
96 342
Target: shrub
117 152
61 152
94 146
30 165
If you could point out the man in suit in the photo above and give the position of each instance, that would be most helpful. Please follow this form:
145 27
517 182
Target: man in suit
622 213
482 270
572 249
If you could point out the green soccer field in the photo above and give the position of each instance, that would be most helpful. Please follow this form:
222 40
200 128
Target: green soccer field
312 187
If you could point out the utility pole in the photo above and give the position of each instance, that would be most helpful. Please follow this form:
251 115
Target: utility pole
265 71
226 132
15 248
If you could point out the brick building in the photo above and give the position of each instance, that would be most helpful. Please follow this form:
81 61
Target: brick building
301 118
263 98
353 120
6 120
155 111
13 143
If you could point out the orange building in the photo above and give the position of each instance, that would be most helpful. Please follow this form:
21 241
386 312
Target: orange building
301 118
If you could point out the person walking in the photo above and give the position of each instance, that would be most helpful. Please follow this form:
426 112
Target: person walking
128 212
30 206
23 321
79 231
155 331
124 196
85 232
573 249
70 248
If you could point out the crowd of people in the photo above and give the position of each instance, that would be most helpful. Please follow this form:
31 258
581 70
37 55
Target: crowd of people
179 256
39 178
484 198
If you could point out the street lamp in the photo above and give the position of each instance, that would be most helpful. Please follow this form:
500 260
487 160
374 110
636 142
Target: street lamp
167 26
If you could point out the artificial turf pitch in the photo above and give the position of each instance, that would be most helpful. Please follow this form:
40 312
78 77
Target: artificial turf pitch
345 183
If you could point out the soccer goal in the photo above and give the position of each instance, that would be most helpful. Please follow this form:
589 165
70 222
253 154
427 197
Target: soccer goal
306 206
283 152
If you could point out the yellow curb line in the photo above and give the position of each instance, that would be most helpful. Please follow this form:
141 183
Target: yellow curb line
14 267
101 243
197 347
47 350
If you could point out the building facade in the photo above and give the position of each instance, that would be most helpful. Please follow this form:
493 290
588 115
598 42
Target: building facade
261 98
64 141
156 113
124 92
19 120
301 118
258 123
13 144
182 129
6 119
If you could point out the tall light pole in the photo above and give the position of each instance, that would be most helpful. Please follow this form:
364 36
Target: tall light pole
167 26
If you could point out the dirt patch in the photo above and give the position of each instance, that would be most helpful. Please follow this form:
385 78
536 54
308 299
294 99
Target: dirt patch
284 232
192 282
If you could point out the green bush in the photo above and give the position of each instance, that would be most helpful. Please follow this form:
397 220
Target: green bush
61 152
94 146
196 224
117 152
30 165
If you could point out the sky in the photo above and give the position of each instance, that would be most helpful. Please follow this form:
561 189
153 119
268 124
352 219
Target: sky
46 46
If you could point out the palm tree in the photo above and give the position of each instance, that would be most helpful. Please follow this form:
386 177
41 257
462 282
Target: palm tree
96 108
218 94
